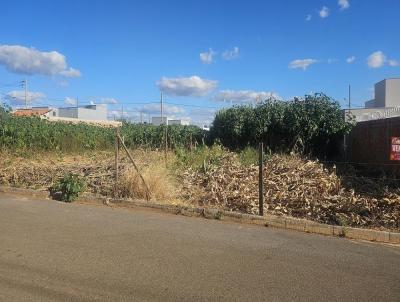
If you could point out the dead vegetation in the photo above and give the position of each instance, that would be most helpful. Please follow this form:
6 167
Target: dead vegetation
98 170
294 186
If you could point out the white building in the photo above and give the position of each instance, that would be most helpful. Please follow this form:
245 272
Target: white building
178 122
386 102
88 112
157 121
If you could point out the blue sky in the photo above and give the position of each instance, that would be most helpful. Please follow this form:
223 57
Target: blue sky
199 53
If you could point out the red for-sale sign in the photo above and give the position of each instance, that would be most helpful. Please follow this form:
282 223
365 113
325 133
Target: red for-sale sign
395 150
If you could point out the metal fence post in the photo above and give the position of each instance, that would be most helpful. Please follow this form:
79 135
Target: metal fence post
260 180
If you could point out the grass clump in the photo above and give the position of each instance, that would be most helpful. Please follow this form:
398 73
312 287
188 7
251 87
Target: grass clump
160 182
248 156
201 158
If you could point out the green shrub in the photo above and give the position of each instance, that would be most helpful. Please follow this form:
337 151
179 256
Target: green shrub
312 125
68 187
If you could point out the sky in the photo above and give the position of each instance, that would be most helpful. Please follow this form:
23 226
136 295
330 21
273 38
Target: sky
203 55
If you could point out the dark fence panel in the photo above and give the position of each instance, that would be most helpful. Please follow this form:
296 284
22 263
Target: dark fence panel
369 144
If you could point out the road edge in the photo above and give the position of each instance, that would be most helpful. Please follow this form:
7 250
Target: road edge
268 220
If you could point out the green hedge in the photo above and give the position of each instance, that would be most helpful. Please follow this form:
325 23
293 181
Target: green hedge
33 133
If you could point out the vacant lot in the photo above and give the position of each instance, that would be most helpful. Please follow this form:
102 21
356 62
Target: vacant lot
215 177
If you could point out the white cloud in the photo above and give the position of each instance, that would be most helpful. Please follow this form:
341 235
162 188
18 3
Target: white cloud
376 59
24 60
190 86
350 59
239 96
70 101
330 61
393 63
231 54
108 101
71 73
324 12
167 109
17 97
207 57
344 4
309 17
302 63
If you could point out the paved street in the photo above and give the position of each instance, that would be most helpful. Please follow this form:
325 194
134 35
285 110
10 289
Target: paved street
52 251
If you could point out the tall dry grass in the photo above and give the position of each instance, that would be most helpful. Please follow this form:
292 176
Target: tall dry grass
158 177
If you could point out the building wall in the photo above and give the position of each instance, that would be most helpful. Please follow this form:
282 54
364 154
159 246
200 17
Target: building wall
370 104
157 121
392 92
71 112
367 114
90 112
380 93
93 112
178 122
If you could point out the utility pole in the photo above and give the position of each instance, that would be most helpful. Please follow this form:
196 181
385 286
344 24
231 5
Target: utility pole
161 104
349 96
141 117
77 102
25 84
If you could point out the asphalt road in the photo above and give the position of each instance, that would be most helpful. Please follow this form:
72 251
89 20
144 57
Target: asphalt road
52 251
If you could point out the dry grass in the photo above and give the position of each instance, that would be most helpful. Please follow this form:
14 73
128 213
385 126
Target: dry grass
161 184
43 169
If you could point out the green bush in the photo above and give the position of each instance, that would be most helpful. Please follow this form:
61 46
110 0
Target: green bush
312 125
68 187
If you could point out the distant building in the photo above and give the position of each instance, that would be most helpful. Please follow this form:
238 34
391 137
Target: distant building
178 122
35 111
386 103
88 112
387 94
157 120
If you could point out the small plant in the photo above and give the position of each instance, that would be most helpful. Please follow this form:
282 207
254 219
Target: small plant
68 187
343 232
218 215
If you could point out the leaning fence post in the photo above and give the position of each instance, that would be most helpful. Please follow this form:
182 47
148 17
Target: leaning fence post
260 180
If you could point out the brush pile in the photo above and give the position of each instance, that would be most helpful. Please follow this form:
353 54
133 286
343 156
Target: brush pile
42 173
295 187
98 171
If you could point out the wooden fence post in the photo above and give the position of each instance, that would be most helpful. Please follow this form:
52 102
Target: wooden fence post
260 180
116 155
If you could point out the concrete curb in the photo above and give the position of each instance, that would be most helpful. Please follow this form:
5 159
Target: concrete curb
268 220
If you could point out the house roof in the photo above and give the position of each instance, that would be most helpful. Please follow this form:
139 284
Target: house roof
31 112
